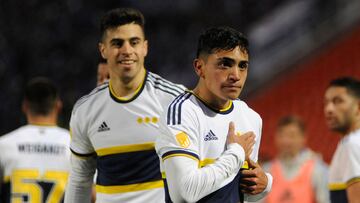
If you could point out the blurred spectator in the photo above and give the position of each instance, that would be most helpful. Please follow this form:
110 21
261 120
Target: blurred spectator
300 175
342 113
35 159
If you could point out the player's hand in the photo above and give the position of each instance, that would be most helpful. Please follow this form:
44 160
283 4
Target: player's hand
253 180
246 140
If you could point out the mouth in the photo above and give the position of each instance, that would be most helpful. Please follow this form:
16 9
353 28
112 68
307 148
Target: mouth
127 61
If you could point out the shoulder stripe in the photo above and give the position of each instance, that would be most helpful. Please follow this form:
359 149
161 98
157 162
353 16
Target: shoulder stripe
180 153
171 114
174 109
164 88
159 80
84 98
170 87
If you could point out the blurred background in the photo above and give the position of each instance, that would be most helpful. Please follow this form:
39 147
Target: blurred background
296 48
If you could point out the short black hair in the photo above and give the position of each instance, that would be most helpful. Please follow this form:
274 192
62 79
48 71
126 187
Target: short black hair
351 84
41 95
121 16
291 119
221 38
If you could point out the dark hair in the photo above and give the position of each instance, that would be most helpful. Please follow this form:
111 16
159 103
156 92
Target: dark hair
41 95
291 119
221 38
352 85
121 16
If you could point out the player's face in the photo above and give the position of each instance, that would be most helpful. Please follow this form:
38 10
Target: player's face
289 140
224 73
125 49
340 109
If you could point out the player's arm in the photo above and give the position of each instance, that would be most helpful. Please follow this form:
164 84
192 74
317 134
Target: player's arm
351 172
80 182
186 181
353 191
255 183
83 162
320 181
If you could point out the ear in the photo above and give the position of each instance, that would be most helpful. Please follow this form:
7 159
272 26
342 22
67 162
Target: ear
58 106
102 49
24 107
146 46
199 67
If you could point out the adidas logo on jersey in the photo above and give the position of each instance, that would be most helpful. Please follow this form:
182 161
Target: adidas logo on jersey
210 136
103 127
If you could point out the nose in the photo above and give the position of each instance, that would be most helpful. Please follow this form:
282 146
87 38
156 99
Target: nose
328 108
234 74
127 49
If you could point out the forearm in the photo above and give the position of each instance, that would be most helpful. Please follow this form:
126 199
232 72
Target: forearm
353 192
188 182
80 180
254 198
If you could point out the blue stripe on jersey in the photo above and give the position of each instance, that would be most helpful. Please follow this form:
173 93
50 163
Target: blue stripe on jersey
83 155
128 168
175 109
228 193
338 196
5 192
169 112
180 152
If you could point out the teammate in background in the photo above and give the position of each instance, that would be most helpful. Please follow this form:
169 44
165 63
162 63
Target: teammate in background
102 72
35 158
114 127
208 133
300 174
342 114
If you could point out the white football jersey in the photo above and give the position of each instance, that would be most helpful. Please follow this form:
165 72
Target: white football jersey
345 166
122 132
193 129
34 164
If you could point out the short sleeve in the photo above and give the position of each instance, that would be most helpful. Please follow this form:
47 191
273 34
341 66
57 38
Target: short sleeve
80 143
179 139
351 167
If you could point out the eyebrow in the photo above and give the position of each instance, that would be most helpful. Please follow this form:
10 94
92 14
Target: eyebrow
231 60
116 40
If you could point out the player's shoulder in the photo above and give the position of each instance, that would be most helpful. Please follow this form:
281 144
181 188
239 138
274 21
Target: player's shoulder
93 95
164 86
13 135
247 109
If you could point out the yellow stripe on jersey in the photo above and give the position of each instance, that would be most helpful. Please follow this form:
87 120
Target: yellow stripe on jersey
132 94
205 162
179 154
6 179
163 175
337 186
226 108
129 188
353 180
125 149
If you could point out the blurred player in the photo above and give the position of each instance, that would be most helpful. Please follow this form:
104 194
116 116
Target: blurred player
300 174
342 113
102 72
35 159
208 133
115 126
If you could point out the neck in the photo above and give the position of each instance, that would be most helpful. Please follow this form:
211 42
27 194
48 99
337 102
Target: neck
124 87
354 127
211 99
50 119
